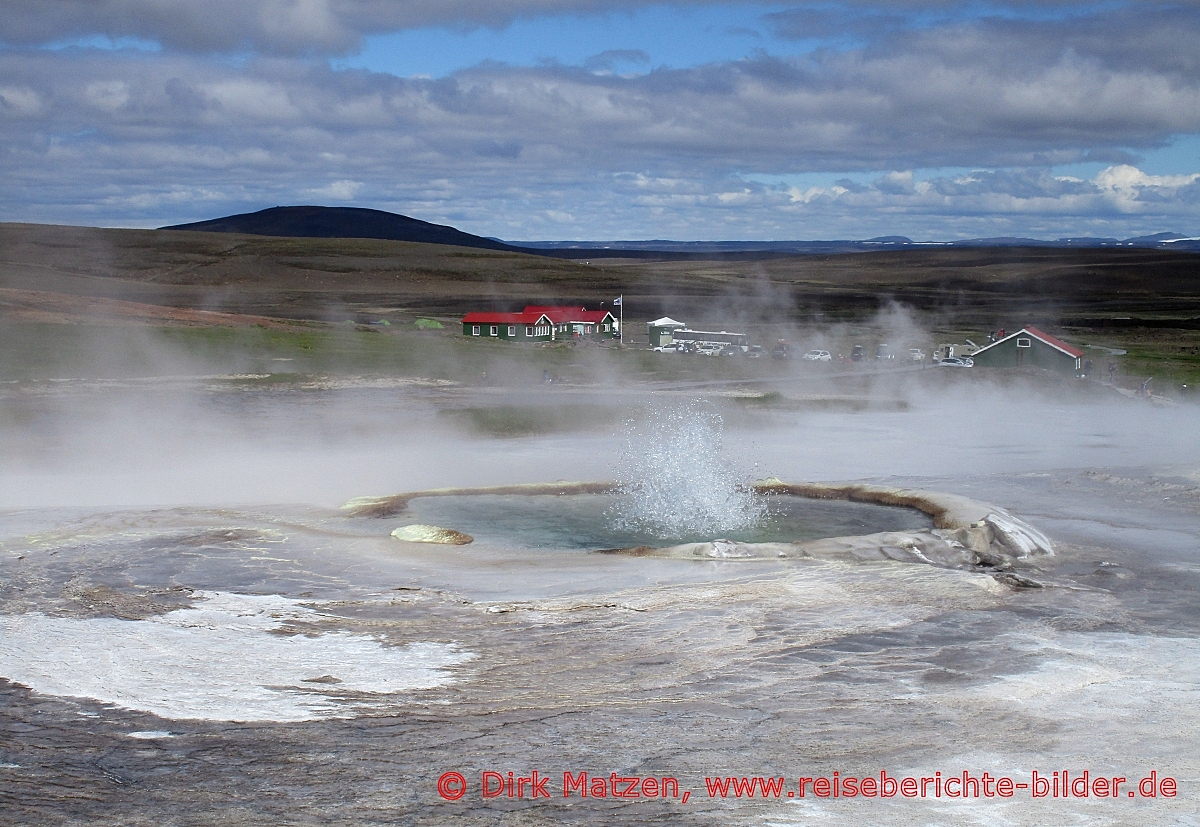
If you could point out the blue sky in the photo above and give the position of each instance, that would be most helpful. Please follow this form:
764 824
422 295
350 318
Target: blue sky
592 119
673 36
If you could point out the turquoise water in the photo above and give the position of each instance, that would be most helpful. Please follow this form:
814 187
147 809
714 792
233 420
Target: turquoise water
587 521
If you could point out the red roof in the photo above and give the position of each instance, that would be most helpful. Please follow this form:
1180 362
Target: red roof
1046 338
534 313
487 317
1053 342
563 315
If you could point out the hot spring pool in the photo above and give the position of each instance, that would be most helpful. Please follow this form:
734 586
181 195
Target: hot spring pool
596 521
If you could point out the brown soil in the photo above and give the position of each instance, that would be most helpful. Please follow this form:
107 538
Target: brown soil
324 279
62 308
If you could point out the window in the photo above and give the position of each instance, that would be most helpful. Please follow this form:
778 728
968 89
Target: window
606 327
493 332
528 331
512 331
1024 343
475 330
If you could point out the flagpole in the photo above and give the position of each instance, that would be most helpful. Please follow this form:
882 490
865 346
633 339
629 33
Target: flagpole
621 332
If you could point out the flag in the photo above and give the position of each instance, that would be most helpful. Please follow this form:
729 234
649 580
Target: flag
617 301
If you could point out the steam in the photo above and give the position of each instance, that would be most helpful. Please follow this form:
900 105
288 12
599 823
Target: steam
675 479
126 416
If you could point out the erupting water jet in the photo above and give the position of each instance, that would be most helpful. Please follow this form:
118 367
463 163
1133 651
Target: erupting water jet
676 497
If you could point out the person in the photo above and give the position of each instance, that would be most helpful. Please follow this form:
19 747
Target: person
1112 372
1145 391
1087 368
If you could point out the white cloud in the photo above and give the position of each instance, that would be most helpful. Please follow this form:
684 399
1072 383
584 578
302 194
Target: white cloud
258 99
281 27
328 27
670 152
20 100
1128 188
107 95
339 190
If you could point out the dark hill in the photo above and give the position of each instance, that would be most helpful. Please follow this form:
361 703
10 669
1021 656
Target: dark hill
342 222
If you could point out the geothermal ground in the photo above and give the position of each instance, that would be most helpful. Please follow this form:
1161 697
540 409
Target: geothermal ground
193 631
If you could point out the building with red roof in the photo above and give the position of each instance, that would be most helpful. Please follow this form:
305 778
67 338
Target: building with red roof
542 323
1030 347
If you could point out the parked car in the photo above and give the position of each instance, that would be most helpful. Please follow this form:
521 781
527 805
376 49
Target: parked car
671 348
708 349
858 354
781 351
915 354
884 352
755 352
818 356
957 362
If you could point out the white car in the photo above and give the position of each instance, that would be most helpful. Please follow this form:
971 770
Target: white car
708 349
916 354
957 362
818 356
671 348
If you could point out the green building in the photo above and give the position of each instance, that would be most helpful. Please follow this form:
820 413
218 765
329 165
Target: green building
538 323
1030 347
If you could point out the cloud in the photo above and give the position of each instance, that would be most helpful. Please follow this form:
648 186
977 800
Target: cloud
339 190
1034 197
19 100
607 61
1131 190
107 95
336 27
118 137
275 27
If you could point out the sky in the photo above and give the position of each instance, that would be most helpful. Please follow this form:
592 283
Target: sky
610 119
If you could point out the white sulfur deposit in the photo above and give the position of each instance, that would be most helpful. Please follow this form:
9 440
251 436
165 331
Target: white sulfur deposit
1018 536
417 533
223 660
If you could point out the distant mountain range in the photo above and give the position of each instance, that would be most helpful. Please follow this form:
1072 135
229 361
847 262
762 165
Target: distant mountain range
603 249
357 222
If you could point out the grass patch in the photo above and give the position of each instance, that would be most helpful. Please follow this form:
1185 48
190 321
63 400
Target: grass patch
519 421
760 400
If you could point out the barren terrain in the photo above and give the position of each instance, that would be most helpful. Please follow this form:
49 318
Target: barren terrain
1144 302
